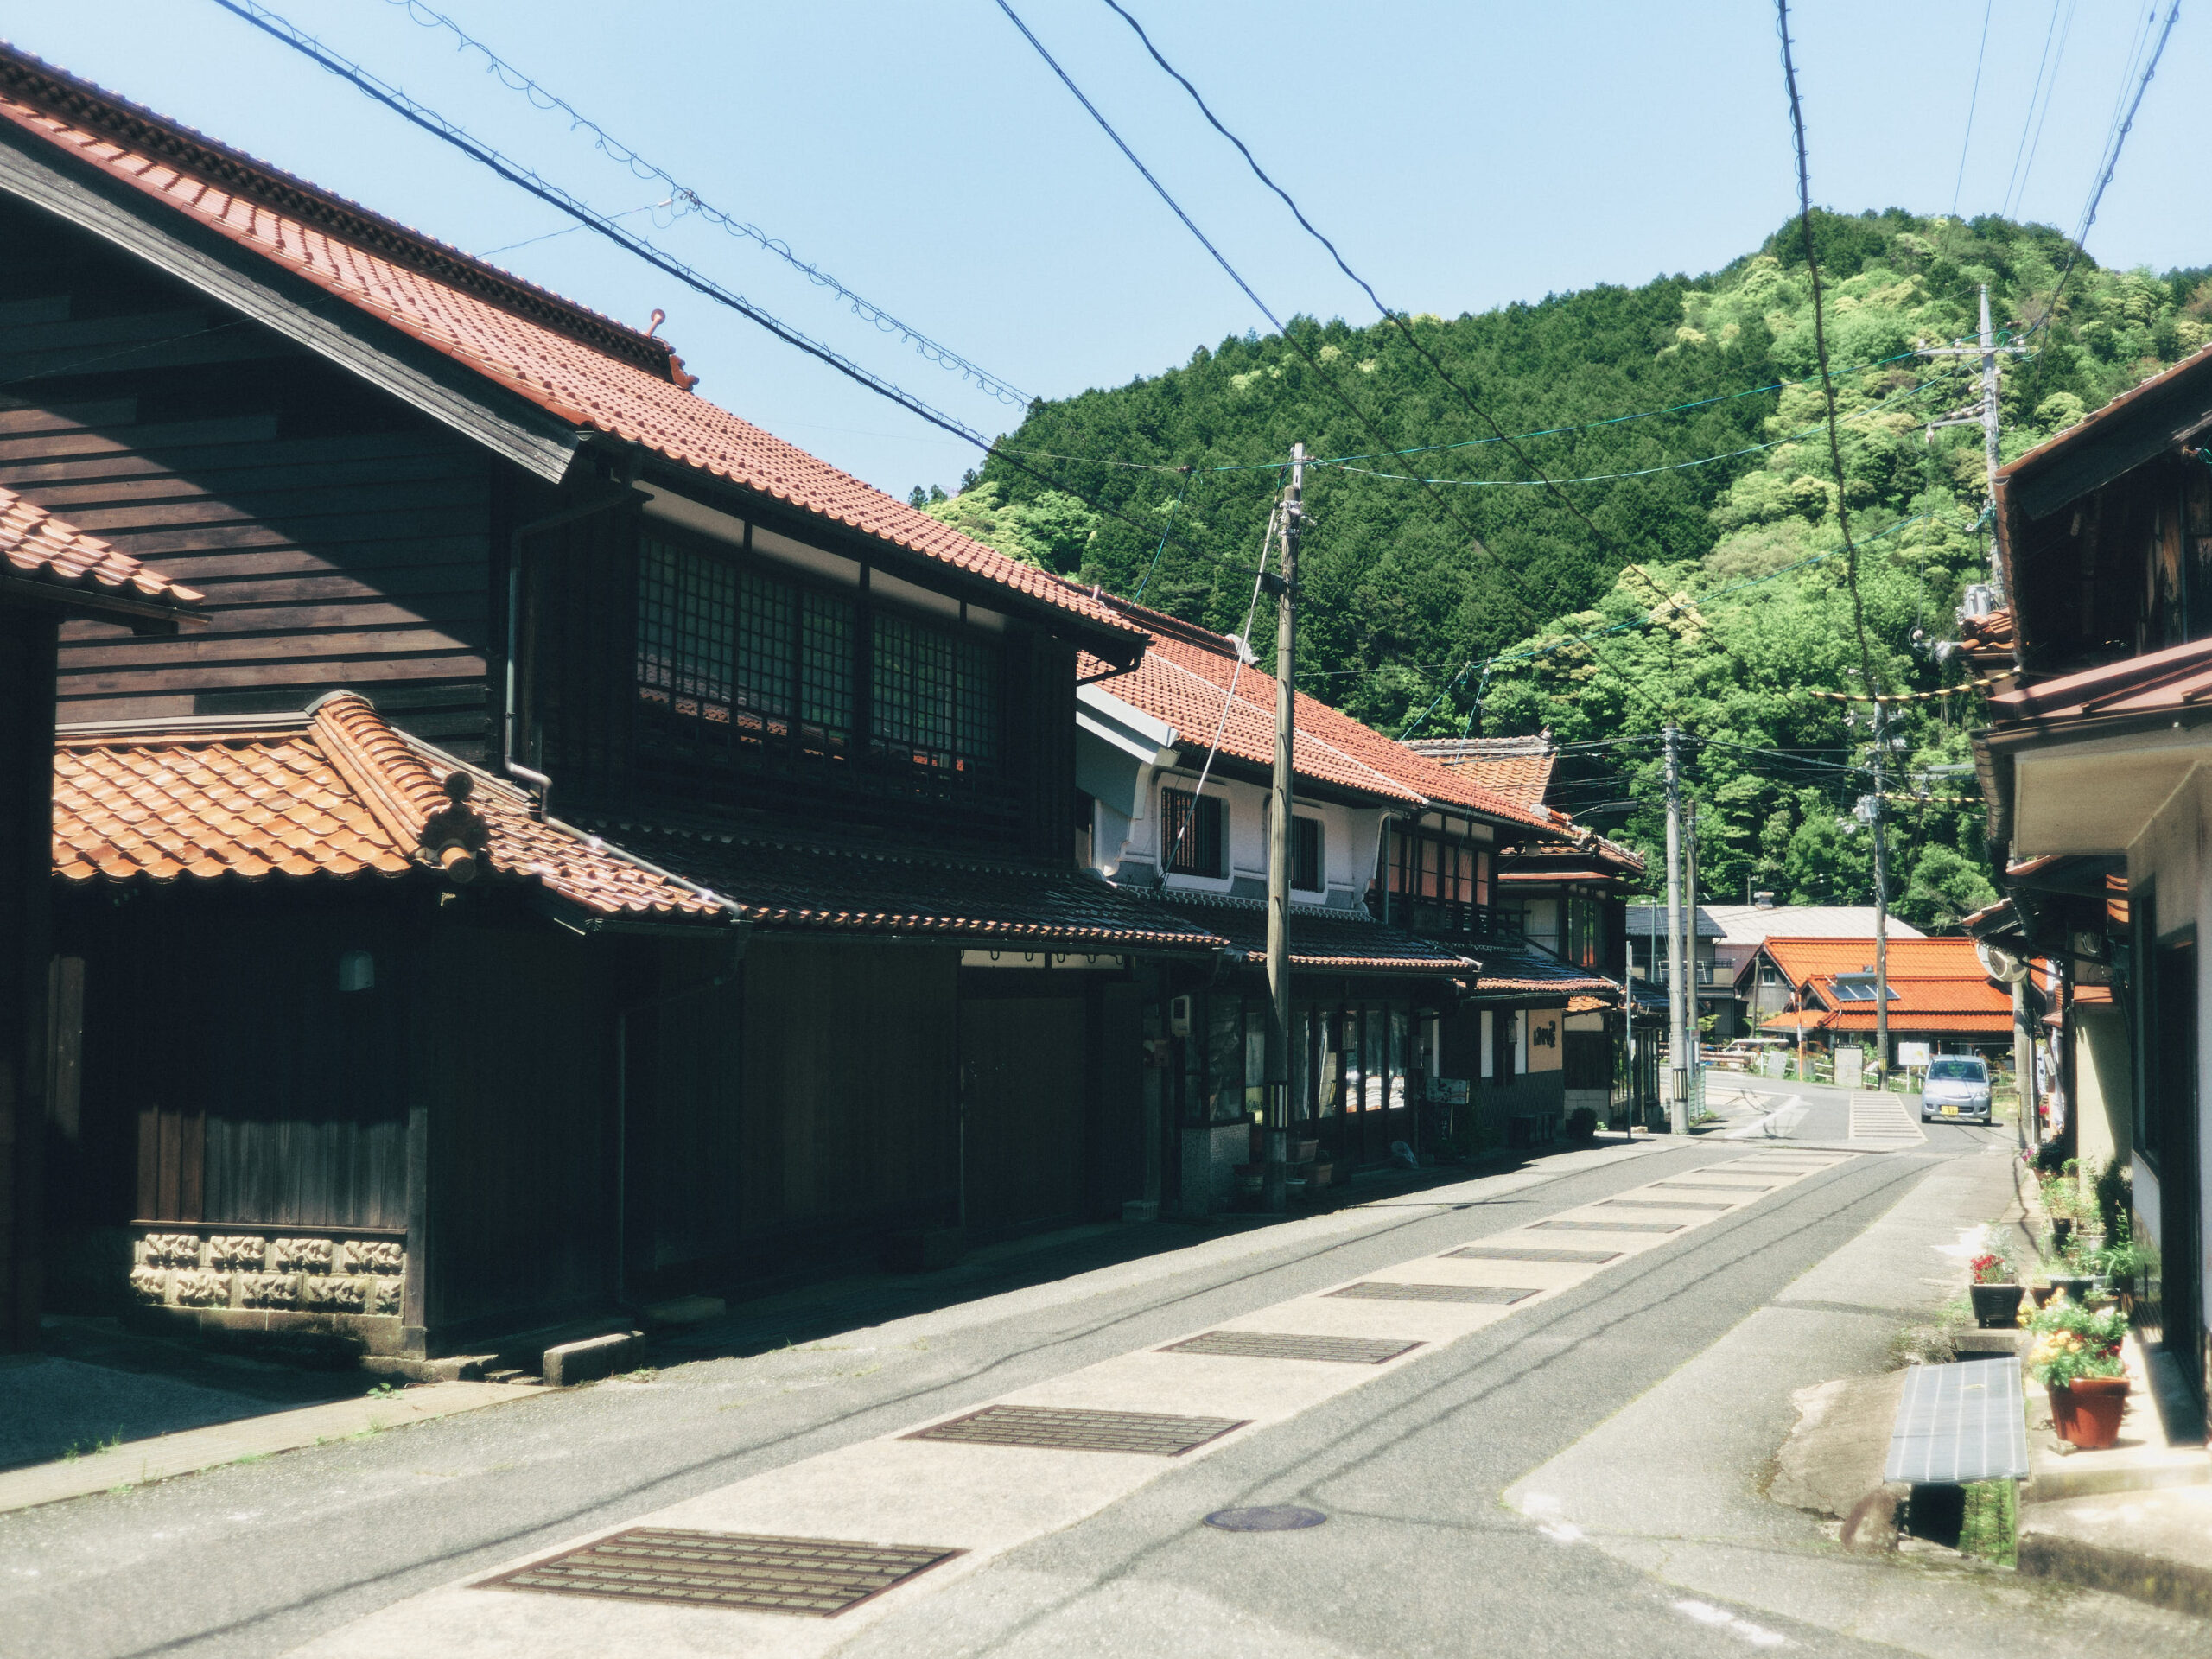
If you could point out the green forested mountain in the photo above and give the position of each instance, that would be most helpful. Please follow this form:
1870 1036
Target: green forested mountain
1712 590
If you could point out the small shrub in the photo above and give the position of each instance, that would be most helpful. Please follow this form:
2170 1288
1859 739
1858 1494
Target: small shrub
1581 1125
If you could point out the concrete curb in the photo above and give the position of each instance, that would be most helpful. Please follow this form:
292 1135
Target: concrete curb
2183 1586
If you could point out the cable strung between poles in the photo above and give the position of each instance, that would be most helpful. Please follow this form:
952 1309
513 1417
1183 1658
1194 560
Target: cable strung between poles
430 121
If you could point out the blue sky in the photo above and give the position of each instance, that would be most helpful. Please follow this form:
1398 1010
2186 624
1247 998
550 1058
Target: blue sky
1464 155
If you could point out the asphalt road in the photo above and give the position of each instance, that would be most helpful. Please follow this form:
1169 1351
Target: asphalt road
1419 1554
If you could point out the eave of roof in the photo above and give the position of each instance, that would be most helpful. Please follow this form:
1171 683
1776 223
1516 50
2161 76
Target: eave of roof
47 561
586 370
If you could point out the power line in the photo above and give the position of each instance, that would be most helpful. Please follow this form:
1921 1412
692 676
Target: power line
2064 35
2112 163
1393 317
1821 345
2028 123
515 173
1288 335
1973 102
515 80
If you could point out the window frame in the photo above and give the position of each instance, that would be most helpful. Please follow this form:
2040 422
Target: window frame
802 728
1208 813
1303 828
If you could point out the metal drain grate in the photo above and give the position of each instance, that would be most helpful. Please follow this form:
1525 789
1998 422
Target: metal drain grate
1668 1204
814 1578
1061 1429
1381 1291
1533 1253
1267 1344
1612 1226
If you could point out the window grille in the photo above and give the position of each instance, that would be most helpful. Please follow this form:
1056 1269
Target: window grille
687 625
1306 854
826 664
1191 824
936 697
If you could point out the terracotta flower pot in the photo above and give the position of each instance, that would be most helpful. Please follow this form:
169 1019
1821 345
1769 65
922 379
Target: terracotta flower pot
2087 1415
2043 1294
1996 1306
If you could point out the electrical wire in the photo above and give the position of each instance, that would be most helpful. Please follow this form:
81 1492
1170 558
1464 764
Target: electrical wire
1821 345
1973 101
1300 345
438 126
515 82
1228 697
2064 35
2035 92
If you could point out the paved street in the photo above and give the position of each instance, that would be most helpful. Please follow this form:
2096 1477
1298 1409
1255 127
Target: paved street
1578 1474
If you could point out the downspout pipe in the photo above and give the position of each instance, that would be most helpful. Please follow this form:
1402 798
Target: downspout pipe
518 541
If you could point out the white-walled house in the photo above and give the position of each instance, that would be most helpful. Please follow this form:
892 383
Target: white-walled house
1417 1022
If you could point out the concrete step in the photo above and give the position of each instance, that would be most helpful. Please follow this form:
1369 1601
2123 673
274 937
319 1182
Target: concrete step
2154 1546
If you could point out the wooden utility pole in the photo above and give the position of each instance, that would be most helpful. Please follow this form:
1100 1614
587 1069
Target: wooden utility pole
1678 1104
1278 839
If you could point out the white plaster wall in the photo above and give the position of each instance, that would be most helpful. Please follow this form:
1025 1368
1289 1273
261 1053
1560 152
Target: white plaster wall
2171 854
1349 835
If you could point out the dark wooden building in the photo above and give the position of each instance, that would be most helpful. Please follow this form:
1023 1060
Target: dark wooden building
513 525
48 572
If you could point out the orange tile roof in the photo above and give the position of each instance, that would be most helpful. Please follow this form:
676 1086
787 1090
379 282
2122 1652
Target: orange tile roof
1862 1021
1910 995
594 373
1519 768
1185 678
336 793
36 546
1323 939
1804 958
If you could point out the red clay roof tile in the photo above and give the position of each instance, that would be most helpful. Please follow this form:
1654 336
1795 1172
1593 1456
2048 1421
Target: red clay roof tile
582 368
335 794
36 546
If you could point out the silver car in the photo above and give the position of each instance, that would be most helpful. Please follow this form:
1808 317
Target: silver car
1956 1090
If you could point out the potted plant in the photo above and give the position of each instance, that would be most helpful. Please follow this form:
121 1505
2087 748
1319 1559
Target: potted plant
2075 1355
1995 1291
2123 1265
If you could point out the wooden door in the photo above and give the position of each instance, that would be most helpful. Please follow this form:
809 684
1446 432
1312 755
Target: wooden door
1022 1128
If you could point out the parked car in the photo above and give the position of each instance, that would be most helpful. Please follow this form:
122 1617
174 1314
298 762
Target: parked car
1957 1088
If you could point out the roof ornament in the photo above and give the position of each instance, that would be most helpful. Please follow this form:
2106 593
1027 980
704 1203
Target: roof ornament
659 317
456 834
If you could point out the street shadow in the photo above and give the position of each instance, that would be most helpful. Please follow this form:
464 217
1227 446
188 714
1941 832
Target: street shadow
98 1384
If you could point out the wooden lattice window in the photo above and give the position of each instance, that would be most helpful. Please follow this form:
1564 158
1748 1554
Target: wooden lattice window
1192 828
935 696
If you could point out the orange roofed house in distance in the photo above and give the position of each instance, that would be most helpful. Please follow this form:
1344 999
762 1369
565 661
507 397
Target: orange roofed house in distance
619 854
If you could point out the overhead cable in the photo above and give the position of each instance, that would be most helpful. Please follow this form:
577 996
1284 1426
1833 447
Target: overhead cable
517 173
515 80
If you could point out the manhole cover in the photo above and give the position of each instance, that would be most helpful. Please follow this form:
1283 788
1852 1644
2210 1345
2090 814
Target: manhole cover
1612 1226
1379 1291
1666 1204
1059 1429
814 1578
1267 1518
1266 1345
1533 1253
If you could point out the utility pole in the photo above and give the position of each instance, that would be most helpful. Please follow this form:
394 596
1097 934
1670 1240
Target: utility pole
1678 1104
1691 1037
1279 841
1984 414
1882 898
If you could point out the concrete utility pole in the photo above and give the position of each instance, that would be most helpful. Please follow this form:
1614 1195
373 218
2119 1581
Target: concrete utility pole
1881 902
1279 840
1678 1104
1985 415
1690 940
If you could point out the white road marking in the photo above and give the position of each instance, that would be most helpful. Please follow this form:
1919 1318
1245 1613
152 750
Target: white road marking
1720 1618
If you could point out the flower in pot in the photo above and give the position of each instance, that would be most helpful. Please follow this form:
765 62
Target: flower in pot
1996 1295
2076 1357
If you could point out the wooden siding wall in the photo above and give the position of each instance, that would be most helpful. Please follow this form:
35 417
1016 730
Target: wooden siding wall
342 539
685 1120
26 861
217 1046
1041 711
850 1092
515 1062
